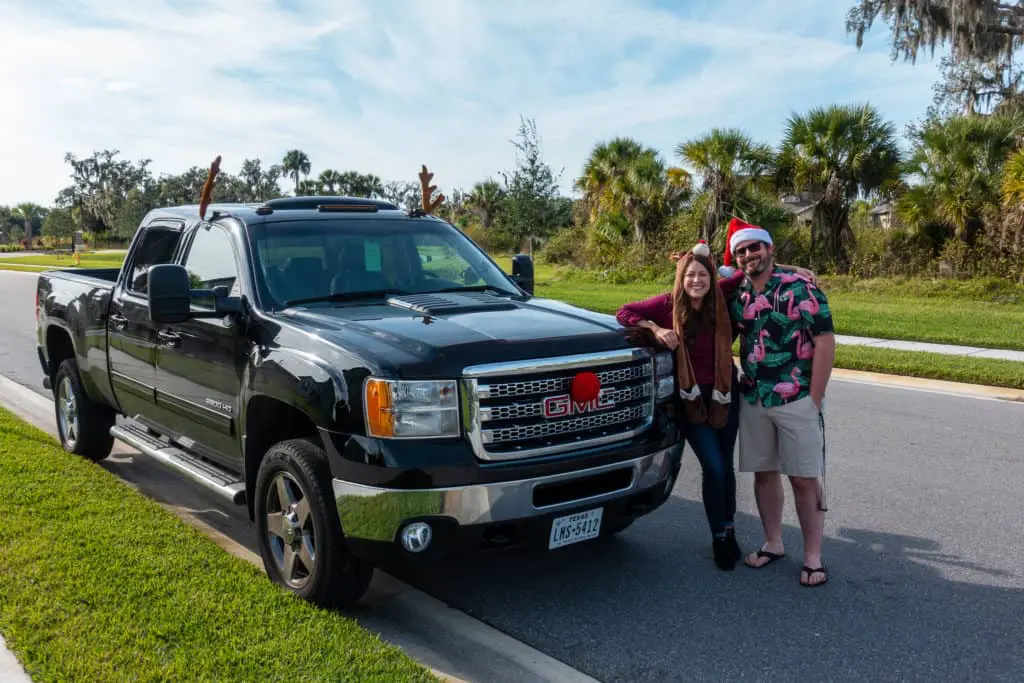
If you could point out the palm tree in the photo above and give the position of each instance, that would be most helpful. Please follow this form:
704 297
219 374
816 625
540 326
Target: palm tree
625 183
30 214
839 152
294 164
731 164
330 181
959 161
485 200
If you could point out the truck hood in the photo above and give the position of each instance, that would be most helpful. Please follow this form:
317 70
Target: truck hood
438 335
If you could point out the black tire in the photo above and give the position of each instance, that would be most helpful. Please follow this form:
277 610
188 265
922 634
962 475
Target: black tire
336 578
86 431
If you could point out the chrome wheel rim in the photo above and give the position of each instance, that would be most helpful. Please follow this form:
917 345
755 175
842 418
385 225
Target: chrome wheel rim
67 412
290 533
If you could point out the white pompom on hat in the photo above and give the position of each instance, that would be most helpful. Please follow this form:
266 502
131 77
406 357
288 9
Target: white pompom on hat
702 249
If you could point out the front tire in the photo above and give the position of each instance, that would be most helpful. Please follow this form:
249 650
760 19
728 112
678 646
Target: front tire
82 424
300 536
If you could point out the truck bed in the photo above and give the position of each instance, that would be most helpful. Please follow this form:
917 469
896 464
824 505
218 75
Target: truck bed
108 275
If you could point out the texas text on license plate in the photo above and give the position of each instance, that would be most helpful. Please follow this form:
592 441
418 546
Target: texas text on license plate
574 528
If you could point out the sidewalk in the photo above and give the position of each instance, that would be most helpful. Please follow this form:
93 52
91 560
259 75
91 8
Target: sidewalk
947 349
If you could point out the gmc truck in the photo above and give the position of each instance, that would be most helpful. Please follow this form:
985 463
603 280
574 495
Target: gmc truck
365 380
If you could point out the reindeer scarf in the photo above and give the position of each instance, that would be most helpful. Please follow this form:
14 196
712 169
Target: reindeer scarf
696 411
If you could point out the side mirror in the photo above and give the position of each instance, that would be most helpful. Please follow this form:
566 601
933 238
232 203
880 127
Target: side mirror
168 294
522 272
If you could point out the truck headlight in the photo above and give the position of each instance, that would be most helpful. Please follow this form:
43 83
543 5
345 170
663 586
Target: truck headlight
398 409
664 375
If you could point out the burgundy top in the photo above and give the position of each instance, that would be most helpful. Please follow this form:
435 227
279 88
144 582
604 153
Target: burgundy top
658 309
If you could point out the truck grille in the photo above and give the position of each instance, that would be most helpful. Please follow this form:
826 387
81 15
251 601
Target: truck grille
504 404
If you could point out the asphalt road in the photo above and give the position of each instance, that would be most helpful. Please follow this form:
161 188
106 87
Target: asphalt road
923 543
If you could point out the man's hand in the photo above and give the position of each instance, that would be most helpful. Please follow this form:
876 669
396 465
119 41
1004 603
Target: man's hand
821 366
666 337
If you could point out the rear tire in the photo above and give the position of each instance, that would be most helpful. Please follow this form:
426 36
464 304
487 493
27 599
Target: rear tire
299 533
82 424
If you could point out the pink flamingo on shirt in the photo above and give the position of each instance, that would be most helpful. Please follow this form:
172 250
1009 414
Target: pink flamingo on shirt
758 352
804 349
789 389
810 305
761 303
789 278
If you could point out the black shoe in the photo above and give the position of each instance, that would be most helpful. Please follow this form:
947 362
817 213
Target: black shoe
723 553
734 548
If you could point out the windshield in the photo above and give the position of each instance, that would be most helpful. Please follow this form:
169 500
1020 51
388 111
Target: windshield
361 260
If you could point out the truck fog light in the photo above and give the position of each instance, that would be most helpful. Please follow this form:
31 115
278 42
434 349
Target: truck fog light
416 537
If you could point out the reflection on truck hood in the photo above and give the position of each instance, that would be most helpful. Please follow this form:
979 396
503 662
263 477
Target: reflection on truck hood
440 344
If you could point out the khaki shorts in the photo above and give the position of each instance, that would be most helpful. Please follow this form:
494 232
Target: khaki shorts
787 438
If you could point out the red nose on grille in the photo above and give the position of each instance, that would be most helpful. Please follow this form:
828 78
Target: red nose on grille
585 387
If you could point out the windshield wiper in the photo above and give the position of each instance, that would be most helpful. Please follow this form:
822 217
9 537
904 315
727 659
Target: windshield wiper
344 296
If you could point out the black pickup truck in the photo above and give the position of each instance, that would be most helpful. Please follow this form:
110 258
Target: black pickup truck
365 379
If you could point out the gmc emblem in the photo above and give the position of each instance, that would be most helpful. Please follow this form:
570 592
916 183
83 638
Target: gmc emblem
563 405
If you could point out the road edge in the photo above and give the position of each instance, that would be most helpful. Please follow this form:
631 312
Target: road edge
415 605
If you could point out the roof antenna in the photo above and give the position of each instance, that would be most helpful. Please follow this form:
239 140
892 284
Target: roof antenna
204 196
426 190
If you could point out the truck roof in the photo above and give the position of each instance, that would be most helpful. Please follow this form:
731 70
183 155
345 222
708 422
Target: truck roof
292 208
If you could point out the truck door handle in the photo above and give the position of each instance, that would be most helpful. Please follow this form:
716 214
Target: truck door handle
118 321
167 339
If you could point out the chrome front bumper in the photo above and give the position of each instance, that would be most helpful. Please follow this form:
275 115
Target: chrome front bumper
378 514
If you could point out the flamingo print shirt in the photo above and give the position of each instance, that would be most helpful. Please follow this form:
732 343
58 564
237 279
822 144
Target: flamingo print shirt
776 329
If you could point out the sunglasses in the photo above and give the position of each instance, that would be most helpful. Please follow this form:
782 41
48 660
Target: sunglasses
752 249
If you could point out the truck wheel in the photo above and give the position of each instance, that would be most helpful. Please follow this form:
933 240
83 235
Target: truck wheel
300 536
82 424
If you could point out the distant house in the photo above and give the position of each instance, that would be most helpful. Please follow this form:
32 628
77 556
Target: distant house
881 216
801 205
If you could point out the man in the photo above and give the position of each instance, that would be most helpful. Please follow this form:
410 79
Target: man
787 350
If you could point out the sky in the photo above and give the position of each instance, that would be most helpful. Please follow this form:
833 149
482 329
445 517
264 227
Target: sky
383 86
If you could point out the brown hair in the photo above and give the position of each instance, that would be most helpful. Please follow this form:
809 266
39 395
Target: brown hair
689 320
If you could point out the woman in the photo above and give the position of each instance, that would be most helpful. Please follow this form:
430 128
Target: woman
693 321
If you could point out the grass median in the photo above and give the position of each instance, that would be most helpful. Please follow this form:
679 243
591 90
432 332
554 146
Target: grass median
98 582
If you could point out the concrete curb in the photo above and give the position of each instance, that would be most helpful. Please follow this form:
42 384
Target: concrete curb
935 386
455 646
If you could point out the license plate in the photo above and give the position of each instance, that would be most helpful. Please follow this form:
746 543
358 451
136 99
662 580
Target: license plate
574 528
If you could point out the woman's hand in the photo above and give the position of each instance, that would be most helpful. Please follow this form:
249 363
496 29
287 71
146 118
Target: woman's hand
802 272
666 337
809 274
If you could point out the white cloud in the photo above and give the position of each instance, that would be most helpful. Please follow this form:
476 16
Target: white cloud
384 86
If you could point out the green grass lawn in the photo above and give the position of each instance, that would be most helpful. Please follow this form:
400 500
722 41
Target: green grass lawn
99 583
41 263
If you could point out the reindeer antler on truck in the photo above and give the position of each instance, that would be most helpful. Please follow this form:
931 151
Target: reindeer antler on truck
207 192
427 190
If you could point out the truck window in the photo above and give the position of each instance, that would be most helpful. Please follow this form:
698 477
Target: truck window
158 246
297 260
440 260
211 263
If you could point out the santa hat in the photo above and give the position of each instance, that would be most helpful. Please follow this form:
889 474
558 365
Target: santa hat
741 231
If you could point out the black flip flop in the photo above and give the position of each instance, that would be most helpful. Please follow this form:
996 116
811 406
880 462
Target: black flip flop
811 572
764 553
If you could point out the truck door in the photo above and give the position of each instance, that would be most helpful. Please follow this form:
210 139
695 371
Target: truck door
130 335
199 363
